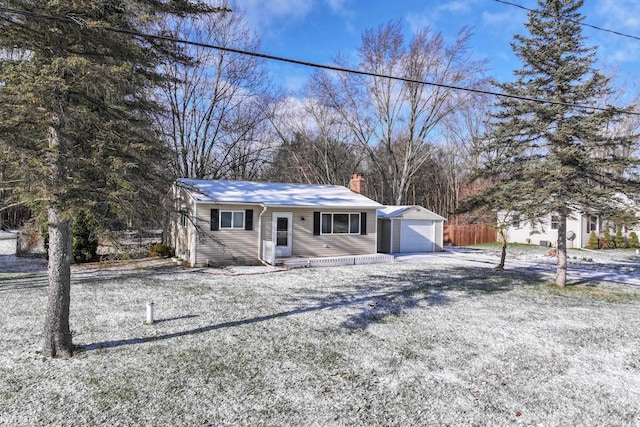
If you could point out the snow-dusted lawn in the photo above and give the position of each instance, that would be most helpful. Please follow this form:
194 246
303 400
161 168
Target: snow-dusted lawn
432 343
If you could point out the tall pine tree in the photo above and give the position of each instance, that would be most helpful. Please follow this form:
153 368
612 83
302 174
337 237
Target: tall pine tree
555 157
74 111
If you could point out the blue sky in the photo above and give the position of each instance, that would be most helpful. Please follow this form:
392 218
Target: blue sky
317 30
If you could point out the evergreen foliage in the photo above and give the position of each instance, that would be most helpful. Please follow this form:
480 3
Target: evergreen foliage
619 239
85 239
607 241
633 240
593 241
75 107
552 158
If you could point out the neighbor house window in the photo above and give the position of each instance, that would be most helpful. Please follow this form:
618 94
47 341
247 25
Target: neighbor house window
555 222
592 224
231 219
183 219
515 220
340 223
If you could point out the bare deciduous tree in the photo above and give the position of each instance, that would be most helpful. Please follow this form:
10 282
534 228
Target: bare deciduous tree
216 103
314 146
396 122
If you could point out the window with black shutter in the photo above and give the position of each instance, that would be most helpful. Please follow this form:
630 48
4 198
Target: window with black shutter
214 226
337 223
248 219
316 223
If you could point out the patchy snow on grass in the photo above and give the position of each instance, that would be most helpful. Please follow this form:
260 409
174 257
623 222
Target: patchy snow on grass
446 341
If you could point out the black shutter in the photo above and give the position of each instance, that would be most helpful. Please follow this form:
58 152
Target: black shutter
214 220
248 219
363 223
316 223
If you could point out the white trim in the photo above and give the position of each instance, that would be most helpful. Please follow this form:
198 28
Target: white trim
264 209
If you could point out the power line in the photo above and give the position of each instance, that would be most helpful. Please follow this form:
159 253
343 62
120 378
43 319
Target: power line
618 33
312 64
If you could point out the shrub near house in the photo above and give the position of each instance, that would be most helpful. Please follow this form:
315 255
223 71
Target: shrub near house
619 240
593 241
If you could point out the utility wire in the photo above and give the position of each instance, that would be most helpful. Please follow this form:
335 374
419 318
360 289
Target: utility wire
618 33
311 64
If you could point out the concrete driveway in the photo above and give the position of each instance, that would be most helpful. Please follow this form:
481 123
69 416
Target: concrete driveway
618 271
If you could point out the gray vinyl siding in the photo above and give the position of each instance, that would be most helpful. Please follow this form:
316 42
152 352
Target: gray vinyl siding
438 236
305 244
384 236
389 235
241 246
181 237
226 245
396 225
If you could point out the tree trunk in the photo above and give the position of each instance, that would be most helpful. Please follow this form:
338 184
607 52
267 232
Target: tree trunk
503 255
561 272
57 335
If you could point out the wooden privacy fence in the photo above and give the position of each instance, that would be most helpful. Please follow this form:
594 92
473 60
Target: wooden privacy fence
468 234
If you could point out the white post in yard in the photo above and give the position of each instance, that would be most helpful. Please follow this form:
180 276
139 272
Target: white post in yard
149 314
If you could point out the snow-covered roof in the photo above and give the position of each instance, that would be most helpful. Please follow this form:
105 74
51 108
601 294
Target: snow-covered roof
389 212
276 194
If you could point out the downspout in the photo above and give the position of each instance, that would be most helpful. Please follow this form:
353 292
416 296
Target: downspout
264 209
194 235
391 237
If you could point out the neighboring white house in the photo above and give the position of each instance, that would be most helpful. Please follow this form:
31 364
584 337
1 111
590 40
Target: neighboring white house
403 229
218 222
579 228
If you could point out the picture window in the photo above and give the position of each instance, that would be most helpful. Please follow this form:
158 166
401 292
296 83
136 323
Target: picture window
340 223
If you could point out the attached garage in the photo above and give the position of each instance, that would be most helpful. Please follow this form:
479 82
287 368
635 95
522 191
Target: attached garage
406 229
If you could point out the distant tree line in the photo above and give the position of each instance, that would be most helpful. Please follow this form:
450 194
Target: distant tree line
221 118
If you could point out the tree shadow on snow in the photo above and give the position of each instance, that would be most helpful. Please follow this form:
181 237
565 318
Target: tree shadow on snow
381 296
391 295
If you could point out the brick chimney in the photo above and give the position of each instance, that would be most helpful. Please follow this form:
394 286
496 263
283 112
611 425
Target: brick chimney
357 184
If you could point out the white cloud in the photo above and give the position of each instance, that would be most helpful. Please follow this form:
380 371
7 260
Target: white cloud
337 6
457 6
264 14
498 20
619 15
419 20
628 53
430 17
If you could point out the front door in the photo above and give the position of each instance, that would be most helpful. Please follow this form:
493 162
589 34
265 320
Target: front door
282 233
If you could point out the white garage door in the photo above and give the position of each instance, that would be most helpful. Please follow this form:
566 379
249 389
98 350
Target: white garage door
416 236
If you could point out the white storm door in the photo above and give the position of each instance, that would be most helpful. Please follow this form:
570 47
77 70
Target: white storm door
282 225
